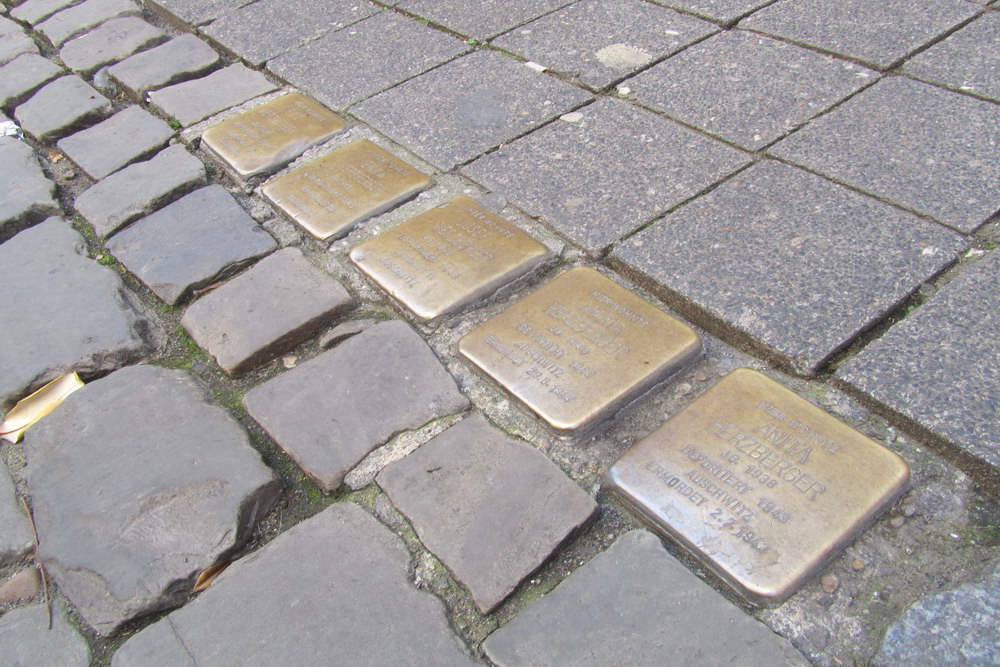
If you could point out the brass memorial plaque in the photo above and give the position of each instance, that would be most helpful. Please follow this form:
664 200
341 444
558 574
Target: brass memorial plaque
270 136
440 261
335 192
760 485
580 348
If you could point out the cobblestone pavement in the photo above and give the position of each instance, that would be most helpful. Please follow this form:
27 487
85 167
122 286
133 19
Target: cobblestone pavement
812 187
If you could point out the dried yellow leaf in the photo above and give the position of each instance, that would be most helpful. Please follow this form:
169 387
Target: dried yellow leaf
32 408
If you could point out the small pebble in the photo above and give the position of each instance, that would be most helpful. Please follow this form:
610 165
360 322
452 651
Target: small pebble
830 582
897 522
289 361
624 90
858 564
22 586
909 510
701 376
684 388
572 117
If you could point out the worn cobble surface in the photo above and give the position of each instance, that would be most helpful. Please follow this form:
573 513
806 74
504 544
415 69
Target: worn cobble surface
813 188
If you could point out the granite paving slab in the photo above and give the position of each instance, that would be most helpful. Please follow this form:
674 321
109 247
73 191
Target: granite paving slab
346 66
139 189
492 508
331 411
181 58
137 485
13 43
191 243
967 60
280 302
635 604
878 33
192 101
16 538
90 323
82 17
27 194
937 368
249 32
61 107
131 134
717 85
196 12
468 106
724 11
482 19
35 11
916 145
110 42
27 640
601 41
23 76
616 168
335 587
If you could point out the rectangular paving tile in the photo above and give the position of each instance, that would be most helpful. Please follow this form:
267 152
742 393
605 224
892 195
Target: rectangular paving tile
131 134
896 140
967 60
449 257
35 11
110 42
481 19
60 108
606 174
82 17
195 100
14 43
796 265
196 12
181 58
22 76
724 11
28 196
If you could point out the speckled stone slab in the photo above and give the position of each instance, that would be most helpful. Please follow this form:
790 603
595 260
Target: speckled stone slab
724 11
192 101
196 12
968 60
131 134
61 107
181 58
481 19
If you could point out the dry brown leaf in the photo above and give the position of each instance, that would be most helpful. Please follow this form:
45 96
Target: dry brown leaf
208 576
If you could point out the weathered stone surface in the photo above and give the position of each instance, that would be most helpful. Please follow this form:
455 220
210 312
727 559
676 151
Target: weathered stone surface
725 11
179 59
346 66
250 32
957 627
23 76
601 41
879 32
277 304
110 42
191 101
492 508
26 639
131 134
328 413
84 16
34 11
24 585
26 195
191 243
899 138
585 177
481 19
72 313
304 599
747 88
967 60
14 42
343 331
197 12
937 367
61 107
799 265
15 531
636 605
468 106
140 189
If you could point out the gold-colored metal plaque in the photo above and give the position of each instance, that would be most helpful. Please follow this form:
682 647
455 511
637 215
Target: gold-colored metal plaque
335 192
271 135
580 348
444 259
760 485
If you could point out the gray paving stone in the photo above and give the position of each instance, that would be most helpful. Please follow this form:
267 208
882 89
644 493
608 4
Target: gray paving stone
197 12
35 11
482 19
179 59
604 176
797 264
72 313
60 108
334 588
82 17
937 368
878 33
346 66
718 85
14 41
467 107
967 60
601 41
725 11
139 189
492 508
191 243
15 532
27 641
331 411
280 302
250 32
26 195
192 101
131 134
957 627
23 76
110 42
635 604
916 145
137 485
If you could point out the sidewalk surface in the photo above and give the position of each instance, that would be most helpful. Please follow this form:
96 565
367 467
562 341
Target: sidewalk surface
812 186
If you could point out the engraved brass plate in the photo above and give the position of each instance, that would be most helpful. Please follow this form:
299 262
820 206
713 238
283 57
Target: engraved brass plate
580 348
335 192
270 136
760 485
440 261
